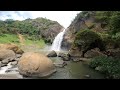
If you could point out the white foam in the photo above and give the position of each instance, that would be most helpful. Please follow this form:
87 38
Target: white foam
3 69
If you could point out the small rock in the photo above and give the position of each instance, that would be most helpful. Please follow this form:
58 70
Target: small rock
14 63
10 70
61 64
61 54
18 55
5 61
87 76
3 65
0 64
12 59
98 68
52 54
17 59
65 58
19 51
76 60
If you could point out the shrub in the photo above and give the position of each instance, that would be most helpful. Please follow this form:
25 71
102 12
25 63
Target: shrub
114 24
116 38
88 39
107 65
107 40
103 16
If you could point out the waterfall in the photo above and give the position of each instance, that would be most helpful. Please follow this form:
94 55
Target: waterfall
56 45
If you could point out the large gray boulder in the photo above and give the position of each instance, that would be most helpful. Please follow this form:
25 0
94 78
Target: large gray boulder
35 65
93 53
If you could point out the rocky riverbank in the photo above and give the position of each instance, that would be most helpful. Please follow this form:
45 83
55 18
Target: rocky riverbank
30 64
31 67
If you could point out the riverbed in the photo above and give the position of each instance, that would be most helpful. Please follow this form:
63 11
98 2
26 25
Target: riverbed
73 70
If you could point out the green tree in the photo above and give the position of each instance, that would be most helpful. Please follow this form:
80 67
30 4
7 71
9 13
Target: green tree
115 23
87 39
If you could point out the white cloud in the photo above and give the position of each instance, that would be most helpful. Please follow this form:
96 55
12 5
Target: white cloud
62 17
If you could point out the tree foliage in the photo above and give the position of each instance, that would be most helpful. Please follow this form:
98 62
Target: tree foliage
107 65
31 27
87 39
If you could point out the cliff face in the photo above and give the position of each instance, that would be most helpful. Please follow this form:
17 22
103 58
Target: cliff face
48 29
84 20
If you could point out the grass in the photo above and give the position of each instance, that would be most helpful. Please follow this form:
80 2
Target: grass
38 43
9 38
12 38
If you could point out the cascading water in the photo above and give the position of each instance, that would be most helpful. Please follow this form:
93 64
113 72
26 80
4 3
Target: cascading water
3 69
56 45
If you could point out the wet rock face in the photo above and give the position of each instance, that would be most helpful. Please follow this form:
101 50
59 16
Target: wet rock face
51 33
35 65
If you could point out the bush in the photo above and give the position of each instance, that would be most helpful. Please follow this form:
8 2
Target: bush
116 39
87 39
114 24
111 40
107 40
103 16
107 65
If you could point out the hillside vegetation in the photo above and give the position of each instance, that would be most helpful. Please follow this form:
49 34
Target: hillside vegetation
39 30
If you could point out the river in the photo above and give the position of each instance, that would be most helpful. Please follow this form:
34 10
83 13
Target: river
73 70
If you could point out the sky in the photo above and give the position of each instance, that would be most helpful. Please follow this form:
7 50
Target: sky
62 17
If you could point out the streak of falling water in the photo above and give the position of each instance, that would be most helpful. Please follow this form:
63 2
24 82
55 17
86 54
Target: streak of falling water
56 45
